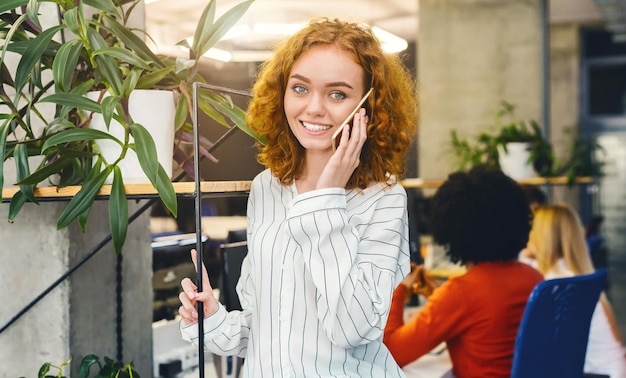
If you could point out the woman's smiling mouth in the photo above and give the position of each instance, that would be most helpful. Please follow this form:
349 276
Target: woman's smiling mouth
315 127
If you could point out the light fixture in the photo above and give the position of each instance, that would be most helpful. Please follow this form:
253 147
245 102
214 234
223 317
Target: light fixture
391 43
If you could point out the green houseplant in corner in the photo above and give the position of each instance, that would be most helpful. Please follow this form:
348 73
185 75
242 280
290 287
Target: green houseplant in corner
507 133
92 48
109 368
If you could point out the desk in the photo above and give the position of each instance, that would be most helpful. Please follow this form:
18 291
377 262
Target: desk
217 227
433 365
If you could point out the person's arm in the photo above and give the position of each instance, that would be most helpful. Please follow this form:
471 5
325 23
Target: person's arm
354 263
227 333
438 321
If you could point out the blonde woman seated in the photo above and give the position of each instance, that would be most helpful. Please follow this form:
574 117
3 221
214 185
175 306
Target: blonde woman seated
557 242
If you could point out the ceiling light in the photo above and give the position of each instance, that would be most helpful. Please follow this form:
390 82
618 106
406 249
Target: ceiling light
219 54
391 43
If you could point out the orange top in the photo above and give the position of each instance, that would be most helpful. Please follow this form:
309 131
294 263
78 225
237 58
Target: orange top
476 314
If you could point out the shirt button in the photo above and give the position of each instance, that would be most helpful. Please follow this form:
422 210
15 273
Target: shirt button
284 267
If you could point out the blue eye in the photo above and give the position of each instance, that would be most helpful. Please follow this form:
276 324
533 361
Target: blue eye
337 96
300 89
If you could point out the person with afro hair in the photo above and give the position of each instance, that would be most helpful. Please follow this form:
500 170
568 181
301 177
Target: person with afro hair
482 218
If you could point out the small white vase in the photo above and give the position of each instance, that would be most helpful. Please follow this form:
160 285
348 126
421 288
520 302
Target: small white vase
153 109
514 161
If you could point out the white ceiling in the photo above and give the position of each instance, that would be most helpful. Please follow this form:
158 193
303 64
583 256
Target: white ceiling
169 21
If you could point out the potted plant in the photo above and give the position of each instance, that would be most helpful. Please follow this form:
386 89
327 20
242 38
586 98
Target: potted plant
109 369
92 48
508 134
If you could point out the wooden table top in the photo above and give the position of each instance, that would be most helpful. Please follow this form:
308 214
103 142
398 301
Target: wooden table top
188 188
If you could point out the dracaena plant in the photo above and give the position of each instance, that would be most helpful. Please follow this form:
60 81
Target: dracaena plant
92 48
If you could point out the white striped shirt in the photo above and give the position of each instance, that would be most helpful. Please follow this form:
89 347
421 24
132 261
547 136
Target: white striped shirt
317 282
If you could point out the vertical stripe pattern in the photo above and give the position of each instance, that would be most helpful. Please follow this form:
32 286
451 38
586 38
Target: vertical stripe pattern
317 282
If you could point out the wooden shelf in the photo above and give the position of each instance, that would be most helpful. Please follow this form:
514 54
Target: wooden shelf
136 190
52 193
421 183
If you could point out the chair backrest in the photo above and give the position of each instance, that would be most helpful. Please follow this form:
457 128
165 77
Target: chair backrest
552 336
232 258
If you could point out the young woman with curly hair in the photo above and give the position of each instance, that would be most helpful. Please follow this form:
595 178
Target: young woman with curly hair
327 227
482 218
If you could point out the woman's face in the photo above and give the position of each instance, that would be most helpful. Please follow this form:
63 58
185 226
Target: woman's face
324 86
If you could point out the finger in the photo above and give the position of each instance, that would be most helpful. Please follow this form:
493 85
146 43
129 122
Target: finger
206 284
186 316
359 132
189 307
344 138
189 287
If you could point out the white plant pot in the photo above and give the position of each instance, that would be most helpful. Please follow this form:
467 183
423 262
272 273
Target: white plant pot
153 109
514 162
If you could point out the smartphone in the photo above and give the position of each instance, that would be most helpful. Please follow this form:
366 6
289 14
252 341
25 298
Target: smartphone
349 118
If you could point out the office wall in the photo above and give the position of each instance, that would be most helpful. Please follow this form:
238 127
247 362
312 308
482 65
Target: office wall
472 55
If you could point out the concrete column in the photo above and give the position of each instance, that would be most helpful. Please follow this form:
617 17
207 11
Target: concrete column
471 56
78 317
564 98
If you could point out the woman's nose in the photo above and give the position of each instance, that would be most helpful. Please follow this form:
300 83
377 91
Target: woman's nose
315 106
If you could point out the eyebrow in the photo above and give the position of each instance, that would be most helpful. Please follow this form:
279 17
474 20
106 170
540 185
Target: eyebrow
333 84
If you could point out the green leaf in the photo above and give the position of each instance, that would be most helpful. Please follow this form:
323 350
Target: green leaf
106 5
44 369
71 19
15 28
204 24
108 108
181 112
46 171
82 220
57 125
133 42
22 171
83 199
4 130
118 211
82 88
17 202
11 4
86 363
74 135
123 55
210 36
31 56
74 101
166 191
150 79
130 83
32 10
65 63
146 152
106 65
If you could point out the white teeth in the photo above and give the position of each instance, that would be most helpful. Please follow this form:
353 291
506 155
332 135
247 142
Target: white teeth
312 127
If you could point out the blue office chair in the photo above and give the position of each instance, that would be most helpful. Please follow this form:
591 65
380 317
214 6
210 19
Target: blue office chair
552 336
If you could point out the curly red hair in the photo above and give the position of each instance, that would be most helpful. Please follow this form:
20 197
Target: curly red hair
392 108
